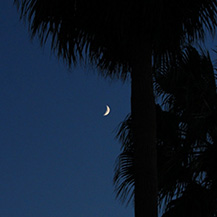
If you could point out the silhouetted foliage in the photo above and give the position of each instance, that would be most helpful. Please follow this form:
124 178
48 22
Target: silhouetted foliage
186 139
121 38
109 32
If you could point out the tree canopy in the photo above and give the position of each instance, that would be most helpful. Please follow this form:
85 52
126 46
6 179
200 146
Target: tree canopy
186 139
124 38
110 32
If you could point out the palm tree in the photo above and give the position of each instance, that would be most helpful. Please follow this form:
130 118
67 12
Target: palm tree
196 107
121 37
186 139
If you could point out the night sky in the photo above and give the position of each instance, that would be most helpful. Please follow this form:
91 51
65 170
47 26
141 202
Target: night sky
57 150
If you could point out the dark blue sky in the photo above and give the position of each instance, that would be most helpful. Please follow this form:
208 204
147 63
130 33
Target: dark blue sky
57 151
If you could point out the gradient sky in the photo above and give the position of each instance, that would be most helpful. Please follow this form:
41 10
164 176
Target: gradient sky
57 151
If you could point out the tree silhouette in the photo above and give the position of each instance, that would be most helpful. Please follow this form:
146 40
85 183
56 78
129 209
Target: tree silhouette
120 38
196 108
186 139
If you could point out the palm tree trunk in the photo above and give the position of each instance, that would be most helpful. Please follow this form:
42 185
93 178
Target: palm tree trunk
144 133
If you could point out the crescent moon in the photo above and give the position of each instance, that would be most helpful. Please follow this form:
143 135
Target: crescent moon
107 111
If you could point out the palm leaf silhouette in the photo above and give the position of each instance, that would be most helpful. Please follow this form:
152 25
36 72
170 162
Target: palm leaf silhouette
121 38
186 138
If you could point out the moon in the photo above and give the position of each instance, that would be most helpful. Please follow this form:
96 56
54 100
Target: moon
107 110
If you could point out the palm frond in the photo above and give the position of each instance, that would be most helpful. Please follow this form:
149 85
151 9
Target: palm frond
108 33
185 133
124 176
